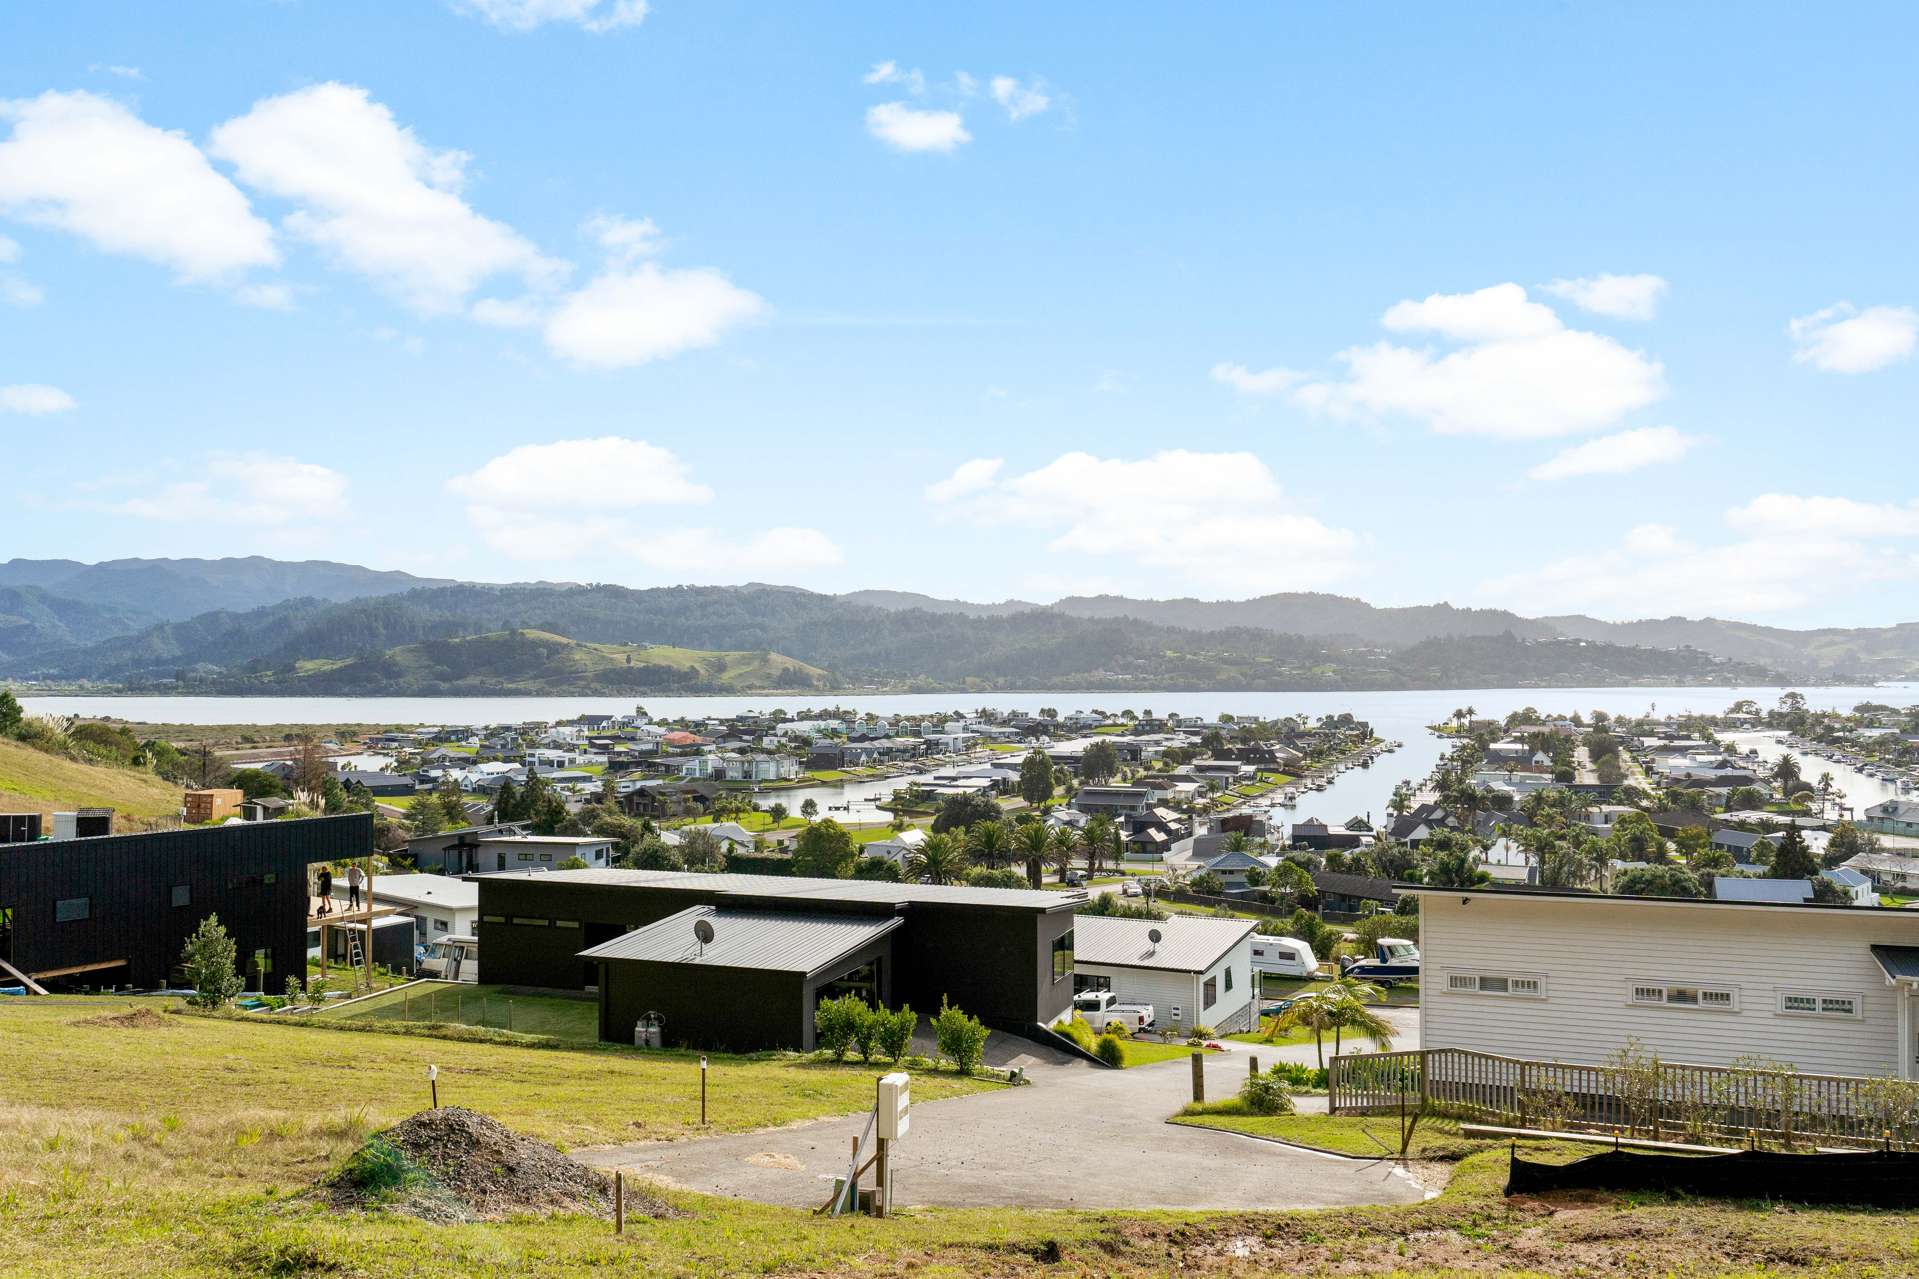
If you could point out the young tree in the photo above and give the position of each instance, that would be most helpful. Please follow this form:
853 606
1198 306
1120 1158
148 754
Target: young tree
1793 859
1849 841
1657 881
1036 778
777 814
825 851
11 716
210 960
310 771
506 804
424 816
809 808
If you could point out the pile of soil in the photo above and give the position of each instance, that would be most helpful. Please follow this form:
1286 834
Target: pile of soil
453 1164
132 1019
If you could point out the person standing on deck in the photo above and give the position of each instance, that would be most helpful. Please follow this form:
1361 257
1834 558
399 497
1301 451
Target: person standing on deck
354 878
326 891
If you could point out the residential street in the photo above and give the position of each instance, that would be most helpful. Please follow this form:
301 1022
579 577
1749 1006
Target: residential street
1077 1137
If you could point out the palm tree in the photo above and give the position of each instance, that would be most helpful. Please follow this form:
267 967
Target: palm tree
1236 842
1306 1012
986 844
1064 843
1786 772
940 859
1034 842
1094 838
1348 997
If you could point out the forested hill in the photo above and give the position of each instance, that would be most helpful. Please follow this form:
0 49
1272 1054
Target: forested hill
854 646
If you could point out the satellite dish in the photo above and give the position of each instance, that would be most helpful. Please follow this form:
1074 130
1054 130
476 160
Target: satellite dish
1154 936
703 929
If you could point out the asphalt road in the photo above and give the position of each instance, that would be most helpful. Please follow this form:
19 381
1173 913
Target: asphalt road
1077 1137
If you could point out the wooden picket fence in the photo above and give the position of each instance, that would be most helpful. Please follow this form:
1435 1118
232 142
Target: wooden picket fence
1637 1095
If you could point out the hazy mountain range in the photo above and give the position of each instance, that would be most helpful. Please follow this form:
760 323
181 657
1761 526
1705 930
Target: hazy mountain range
258 624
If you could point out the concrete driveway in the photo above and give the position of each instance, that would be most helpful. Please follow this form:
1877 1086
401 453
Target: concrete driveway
1078 1136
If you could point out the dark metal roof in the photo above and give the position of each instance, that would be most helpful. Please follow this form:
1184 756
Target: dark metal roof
1899 963
778 941
1584 894
798 889
1187 944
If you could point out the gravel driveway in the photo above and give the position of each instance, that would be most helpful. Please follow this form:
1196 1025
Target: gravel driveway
1078 1137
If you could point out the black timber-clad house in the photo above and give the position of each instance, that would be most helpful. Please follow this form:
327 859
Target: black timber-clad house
1003 955
115 910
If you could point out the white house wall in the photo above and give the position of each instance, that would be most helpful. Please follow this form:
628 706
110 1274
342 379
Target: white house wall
1165 990
1591 953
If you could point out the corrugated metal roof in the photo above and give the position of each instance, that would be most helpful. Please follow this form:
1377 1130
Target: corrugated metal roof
1900 963
779 941
798 889
1186 945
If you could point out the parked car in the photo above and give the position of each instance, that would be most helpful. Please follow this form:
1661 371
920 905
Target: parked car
1130 888
1099 1007
1394 960
450 959
1076 878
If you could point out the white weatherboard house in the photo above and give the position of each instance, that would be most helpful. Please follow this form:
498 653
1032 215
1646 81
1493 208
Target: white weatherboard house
1559 976
1200 972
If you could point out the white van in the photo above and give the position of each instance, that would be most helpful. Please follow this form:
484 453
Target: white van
450 959
1283 957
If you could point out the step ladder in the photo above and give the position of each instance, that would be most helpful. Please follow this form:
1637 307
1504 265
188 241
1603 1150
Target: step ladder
355 952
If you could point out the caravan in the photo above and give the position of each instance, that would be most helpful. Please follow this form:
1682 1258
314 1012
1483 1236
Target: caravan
1284 957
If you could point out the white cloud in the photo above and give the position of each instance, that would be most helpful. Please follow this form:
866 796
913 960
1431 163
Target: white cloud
608 473
1843 339
1773 513
376 198
524 15
1791 552
625 240
590 498
1623 297
967 477
268 297
637 315
34 399
1218 520
1616 454
1520 374
1256 382
85 164
909 128
890 72
508 313
252 488
125 73
15 291
1020 100
9 249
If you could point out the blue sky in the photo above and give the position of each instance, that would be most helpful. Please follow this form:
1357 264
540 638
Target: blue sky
1600 308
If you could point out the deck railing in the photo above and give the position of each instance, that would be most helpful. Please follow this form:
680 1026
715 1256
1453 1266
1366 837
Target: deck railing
1636 1094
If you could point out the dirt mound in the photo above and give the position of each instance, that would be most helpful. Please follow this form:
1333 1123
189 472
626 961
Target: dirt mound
453 1164
132 1019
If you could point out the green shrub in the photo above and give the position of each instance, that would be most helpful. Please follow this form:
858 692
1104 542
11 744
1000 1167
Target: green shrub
1110 1050
208 958
896 1031
1299 1075
1267 1094
961 1038
869 1023
1118 1029
835 1022
1079 1032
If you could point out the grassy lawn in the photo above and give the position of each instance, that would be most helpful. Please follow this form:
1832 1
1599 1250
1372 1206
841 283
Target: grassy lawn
753 821
1144 1052
1361 1135
33 781
183 1151
1296 1036
481 1005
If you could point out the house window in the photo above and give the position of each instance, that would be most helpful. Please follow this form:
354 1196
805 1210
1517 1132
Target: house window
1229 979
493 919
526 922
1083 983
1209 993
1063 955
1723 999
1510 985
71 909
439 925
182 895
1819 1003
566 923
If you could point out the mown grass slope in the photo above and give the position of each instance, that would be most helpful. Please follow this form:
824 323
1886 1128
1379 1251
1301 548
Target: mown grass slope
33 781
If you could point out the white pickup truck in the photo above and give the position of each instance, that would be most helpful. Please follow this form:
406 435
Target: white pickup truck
1099 1007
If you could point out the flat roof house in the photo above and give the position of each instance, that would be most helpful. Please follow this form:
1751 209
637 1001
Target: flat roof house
1564 976
1199 972
1004 955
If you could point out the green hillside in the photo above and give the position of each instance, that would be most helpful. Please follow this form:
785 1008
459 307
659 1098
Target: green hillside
532 661
33 781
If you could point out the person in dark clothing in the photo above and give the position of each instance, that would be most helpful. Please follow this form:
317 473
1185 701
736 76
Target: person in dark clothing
326 891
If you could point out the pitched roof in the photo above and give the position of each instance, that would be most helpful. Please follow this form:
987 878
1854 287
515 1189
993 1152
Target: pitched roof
1340 884
1187 944
1728 888
783 941
1899 963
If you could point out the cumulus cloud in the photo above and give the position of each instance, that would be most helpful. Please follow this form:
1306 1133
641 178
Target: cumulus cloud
371 194
967 477
589 499
909 128
1623 297
88 166
635 315
1256 382
1616 454
34 399
596 16
1515 372
1020 101
624 239
253 488
1843 339
1789 552
1220 521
